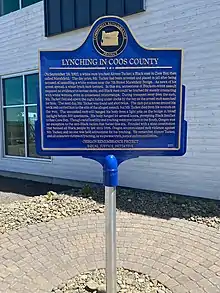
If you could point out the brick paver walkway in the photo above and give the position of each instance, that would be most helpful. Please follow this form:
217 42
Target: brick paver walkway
183 255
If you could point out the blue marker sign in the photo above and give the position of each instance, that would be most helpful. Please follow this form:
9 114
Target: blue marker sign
111 96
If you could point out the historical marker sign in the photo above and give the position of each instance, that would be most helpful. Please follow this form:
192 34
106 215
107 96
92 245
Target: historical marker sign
111 96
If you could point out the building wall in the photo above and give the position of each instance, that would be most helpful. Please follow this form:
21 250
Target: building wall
191 25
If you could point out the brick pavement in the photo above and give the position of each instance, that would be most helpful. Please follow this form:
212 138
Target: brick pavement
183 255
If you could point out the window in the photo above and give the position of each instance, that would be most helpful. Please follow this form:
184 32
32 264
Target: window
7 6
20 113
28 2
65 15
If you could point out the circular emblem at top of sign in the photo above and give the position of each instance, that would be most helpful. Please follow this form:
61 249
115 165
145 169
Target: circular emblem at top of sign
110 39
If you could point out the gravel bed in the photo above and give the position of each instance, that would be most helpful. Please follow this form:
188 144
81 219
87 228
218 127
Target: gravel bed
162 205
21 213
43 209
127 282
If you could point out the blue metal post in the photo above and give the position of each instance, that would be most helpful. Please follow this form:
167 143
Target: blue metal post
110 181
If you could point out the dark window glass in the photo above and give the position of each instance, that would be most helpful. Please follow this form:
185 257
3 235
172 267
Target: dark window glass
16 112
31 84
13 91
65 15
14 131
82 13
9 6
31 118
31 114
29 2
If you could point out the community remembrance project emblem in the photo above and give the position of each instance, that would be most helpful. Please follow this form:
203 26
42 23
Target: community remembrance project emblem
110 39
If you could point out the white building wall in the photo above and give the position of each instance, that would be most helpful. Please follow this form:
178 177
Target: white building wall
191 25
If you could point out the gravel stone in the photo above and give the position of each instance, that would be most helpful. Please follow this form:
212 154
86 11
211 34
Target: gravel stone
101 288
129 282
91 286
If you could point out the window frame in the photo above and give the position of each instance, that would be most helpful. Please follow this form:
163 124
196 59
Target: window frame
20 7
25 107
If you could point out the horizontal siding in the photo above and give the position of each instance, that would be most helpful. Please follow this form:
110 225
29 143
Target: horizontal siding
191 25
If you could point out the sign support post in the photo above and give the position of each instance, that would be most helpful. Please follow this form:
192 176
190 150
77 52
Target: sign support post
110 181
